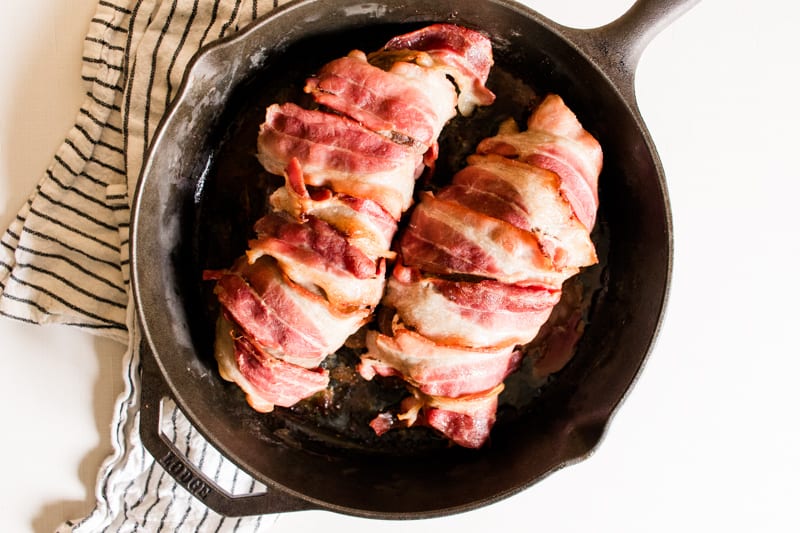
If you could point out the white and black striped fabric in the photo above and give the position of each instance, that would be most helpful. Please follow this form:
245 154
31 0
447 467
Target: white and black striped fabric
64 259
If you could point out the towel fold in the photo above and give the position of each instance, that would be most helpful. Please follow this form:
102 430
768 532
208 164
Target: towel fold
64 258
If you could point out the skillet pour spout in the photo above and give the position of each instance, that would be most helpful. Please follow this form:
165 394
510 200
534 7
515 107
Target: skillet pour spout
176 205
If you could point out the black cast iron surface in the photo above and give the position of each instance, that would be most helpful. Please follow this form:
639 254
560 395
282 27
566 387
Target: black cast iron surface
202 189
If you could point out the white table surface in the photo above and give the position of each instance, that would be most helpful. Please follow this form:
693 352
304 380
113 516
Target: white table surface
708 440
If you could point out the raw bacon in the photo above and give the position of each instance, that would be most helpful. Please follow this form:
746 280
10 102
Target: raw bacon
340 154
529 198
481 266
366 224
465 421
445 237
464 54
477 314
316 268
266 381
556 141
283 318
407 102
316 256
437 369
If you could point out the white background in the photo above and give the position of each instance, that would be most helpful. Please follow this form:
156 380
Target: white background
708 440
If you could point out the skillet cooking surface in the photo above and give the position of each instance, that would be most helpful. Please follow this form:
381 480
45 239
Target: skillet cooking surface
185 220
234 193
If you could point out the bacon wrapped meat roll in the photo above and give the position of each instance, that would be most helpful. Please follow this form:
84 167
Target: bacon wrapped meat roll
316 268
480 267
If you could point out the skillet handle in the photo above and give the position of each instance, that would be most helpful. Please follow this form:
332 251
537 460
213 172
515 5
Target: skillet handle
154 391
617 46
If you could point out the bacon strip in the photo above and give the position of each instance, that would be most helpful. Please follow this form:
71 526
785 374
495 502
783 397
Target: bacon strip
464 54
284 319
444 237
405 102
265 380
529 198
465 421
338 153
436 369
367 226
318 257
556 141
477 314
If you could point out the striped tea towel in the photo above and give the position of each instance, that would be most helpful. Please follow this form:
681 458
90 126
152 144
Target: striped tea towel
64 259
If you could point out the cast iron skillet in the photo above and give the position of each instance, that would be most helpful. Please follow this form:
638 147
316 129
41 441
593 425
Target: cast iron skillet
184 220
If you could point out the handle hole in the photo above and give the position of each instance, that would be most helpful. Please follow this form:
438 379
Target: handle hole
176 429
